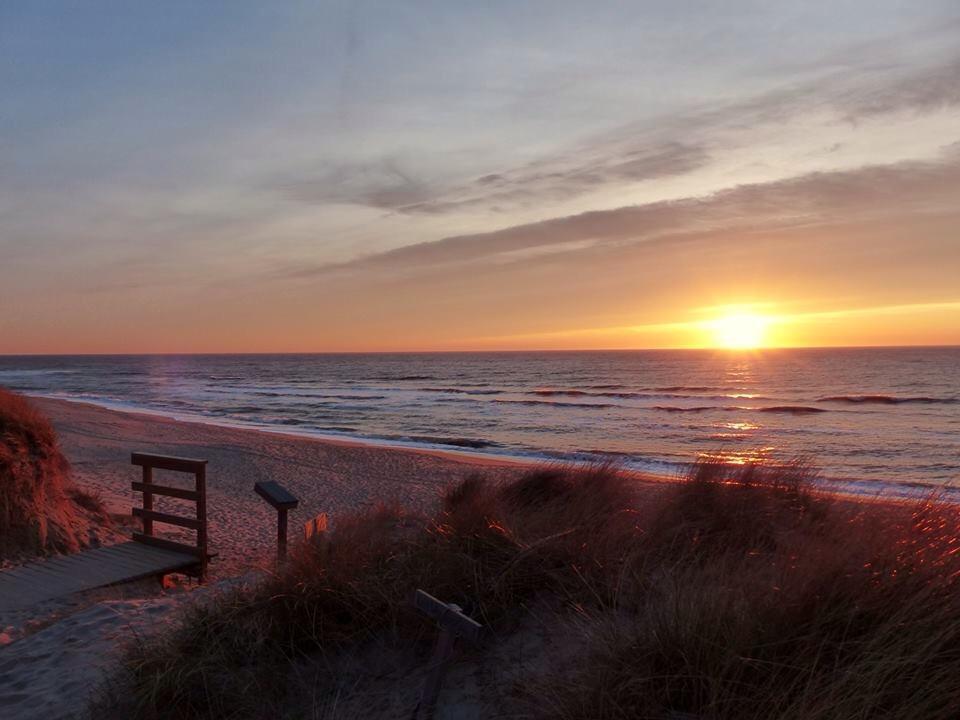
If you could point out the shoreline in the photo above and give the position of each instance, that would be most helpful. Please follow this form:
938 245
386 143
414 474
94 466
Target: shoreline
857 489
475 455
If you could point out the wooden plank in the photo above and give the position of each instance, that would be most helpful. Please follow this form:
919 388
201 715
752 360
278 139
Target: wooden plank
167 544
139 551
43 580
275 494
167 462
167 491
136 558
165 518
202 542
147 497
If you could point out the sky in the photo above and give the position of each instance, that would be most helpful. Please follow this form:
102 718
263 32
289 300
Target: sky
302 177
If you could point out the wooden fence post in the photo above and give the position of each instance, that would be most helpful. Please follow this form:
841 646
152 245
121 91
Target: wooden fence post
147 499
200 478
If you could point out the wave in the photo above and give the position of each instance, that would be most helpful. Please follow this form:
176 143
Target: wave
353 397
463 442
696 408
584 393
461 391
556 403
318 396
648 395
886 400
405 378
791 409
641 391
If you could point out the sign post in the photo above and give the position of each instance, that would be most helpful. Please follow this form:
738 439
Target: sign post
281 499
452 624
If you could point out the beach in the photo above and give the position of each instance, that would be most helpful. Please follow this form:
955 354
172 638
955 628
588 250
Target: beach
327 476
61 650
453 361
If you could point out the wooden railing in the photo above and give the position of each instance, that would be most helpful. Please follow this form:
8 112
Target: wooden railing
198 495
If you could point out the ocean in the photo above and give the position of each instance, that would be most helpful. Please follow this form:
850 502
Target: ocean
874 420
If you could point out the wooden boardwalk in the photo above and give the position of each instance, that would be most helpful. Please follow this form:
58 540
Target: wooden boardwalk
35 582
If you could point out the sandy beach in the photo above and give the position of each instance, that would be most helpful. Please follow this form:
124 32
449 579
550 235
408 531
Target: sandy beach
326 475
80 636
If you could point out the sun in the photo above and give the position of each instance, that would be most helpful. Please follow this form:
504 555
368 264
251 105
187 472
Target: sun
739 331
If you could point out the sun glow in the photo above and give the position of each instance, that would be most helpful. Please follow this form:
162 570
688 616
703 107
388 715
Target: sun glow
739 331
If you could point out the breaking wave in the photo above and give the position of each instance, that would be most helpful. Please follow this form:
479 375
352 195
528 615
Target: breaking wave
886 400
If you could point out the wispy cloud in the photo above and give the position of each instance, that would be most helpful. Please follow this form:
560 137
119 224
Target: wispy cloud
671 145
556 181
848 196
383 184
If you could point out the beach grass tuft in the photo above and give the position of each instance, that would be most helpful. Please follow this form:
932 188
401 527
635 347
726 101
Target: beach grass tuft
737 592
41 510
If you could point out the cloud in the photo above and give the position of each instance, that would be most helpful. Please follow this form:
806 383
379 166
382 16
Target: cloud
930 89
673 145
556 181
849 196
383 184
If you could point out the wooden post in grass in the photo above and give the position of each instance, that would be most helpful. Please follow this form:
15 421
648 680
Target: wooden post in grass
281 499
452 624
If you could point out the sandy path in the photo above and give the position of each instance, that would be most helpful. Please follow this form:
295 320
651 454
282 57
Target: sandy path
51 673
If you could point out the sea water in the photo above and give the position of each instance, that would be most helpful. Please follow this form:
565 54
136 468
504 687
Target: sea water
871 419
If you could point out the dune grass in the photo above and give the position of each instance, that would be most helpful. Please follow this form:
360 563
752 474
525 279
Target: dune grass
762 600
41 510
735 593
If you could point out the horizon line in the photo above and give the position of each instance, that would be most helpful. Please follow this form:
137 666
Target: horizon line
730 351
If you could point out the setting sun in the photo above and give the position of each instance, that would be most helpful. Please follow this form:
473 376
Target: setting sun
739 331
